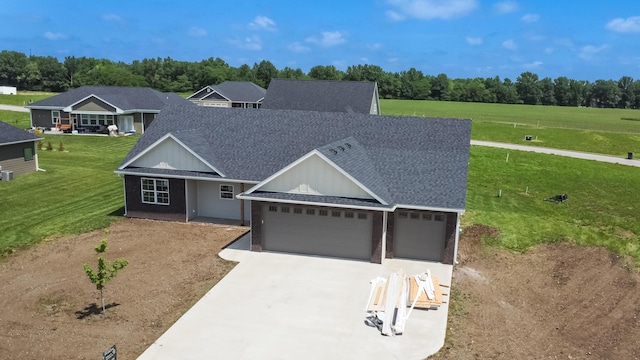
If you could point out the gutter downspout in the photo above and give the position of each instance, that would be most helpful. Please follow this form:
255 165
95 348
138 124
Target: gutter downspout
241 206
457 237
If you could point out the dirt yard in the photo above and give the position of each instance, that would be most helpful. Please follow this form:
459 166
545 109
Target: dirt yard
557 301
48 307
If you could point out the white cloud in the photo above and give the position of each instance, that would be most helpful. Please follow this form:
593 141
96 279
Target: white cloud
474 41
339 64
430 9
530 18
263 23
364 60
564 42
589 52
328 39
375 47
112 17
533 65
509 44
506 7
297 47
196 32
549 50
253 43
628 25
393 60
54 36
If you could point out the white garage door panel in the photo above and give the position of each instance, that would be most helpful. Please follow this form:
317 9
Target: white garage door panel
317 235
419 235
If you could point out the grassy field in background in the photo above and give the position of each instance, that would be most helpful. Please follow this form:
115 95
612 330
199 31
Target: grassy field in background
78 192
602 208
606 131
24 97
18 119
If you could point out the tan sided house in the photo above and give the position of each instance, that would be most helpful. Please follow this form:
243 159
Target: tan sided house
236 94
94 108
347 185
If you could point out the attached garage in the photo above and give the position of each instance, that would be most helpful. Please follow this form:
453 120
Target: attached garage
419 235
317 231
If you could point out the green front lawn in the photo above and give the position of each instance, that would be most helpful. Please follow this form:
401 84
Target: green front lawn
18 119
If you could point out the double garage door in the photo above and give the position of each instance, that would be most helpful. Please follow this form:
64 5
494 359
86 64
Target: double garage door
317 231
419 235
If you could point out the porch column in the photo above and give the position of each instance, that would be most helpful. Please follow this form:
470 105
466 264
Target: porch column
241 206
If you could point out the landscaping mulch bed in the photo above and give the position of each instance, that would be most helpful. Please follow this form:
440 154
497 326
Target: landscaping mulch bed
50 310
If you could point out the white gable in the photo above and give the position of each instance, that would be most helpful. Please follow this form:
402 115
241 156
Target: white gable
315 176
169 154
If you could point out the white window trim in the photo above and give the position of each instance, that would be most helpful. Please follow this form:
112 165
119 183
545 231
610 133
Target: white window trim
53 117
154 191
232 192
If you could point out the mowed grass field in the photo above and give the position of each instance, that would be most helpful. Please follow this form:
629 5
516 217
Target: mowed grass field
18 119
605 131
78 192
24 97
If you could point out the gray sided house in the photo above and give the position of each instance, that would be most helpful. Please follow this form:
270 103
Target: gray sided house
94 108
355 186
18 151
236 94
323 95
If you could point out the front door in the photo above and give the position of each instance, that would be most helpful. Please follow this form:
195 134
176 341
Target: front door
126 123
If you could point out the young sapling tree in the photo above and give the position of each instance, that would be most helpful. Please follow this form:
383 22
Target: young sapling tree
106 271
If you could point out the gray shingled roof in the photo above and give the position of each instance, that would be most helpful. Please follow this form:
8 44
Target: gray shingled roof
10 134
420 161
125 98
320 95
240 91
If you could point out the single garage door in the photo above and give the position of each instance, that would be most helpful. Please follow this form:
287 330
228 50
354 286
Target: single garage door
317 231
419 235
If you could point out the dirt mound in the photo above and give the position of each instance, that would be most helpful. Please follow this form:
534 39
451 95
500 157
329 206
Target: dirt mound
48 307
557 301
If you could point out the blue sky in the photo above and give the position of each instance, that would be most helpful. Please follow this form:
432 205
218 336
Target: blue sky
583 40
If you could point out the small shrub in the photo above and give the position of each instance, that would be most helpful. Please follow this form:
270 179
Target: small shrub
49 146
61 147
39 145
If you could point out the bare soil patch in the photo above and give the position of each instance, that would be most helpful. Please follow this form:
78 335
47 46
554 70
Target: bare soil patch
557 301
49 309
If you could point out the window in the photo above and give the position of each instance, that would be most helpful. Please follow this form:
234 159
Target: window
348 214
284 209
297 210
438 217
426 216
311 211
362 216
55 115
415 216
155 191
273 208
403 215
93 119
322 212
226 192
28 154
335 213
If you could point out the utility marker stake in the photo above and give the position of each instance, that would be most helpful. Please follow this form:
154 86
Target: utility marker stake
507 158
500 193
526 192
514 125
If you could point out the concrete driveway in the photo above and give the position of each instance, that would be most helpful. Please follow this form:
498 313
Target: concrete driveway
280 306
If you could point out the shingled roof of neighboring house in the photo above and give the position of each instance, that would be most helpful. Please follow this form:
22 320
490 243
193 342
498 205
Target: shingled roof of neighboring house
124 98
241 91
320 95
405 160
12 135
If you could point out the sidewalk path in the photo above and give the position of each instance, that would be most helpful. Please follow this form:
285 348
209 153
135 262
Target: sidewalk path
13 108
568 153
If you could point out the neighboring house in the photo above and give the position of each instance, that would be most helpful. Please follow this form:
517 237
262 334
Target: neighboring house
94 108
332 184
236 94
323 95
8 90
18 151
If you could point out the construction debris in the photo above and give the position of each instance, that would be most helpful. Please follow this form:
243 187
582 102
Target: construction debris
390 297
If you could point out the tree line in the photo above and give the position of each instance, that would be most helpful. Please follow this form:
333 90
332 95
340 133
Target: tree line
47 73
